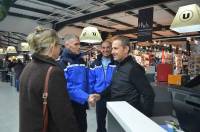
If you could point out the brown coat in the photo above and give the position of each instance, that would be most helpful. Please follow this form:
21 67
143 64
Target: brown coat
61 118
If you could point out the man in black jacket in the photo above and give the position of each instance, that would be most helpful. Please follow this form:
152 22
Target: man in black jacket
129 82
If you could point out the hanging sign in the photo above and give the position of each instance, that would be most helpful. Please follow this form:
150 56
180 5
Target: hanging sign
145 24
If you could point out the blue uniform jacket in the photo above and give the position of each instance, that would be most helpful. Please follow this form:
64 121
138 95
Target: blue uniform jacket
98 80
76 74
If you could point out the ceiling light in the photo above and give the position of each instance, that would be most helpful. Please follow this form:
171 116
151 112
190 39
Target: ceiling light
11 49
24 46
196 41
90 35
189 39
2 51
187 19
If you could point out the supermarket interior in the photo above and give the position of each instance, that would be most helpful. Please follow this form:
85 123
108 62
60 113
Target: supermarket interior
164 39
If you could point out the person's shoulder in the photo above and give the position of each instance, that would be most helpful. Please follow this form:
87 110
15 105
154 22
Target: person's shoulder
57 70
81 61
96 62
137 67
63 63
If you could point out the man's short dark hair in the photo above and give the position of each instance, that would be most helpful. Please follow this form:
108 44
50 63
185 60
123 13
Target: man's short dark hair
124 40
69 37
107 41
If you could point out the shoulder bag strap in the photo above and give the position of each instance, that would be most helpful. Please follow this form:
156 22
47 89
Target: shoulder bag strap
45 96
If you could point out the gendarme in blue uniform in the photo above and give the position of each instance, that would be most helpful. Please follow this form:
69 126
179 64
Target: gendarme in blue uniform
99 76
76 74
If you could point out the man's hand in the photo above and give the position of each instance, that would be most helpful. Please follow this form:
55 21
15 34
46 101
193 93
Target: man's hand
93 98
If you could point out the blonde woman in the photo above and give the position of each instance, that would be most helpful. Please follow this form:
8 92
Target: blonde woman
46 48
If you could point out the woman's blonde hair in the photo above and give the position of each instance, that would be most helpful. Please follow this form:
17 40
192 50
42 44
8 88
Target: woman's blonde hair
41 39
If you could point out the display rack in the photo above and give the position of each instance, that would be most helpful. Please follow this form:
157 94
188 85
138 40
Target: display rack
194 65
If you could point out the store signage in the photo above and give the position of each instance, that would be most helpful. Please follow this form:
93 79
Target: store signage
187 19
145 23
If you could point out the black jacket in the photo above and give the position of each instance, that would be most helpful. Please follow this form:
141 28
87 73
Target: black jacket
129 83
32 80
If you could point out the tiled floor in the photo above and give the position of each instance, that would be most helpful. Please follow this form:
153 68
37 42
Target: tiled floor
9 107
9 110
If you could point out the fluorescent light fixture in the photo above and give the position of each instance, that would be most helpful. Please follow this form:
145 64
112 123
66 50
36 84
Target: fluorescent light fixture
2 51
187 19
90 35
11 49
24 46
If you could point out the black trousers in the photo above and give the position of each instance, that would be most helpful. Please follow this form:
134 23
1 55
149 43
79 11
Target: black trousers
101 112
81 115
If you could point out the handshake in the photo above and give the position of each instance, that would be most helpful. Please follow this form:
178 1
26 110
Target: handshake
93 98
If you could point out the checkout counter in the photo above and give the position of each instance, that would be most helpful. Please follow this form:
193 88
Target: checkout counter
182 101
186 103
177 97
122 117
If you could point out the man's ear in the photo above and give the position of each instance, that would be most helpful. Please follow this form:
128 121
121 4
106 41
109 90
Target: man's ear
127 49
66 45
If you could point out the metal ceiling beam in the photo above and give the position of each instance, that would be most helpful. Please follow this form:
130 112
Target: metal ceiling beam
135 30
28 17
81 27
129 5
177 37
22 16
17 6
2 44
15 33
62 5
35 10
20 37
8 43
174 32
173 38
11 37
96 24
31 9
132 13
118 22
157 34
167 9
